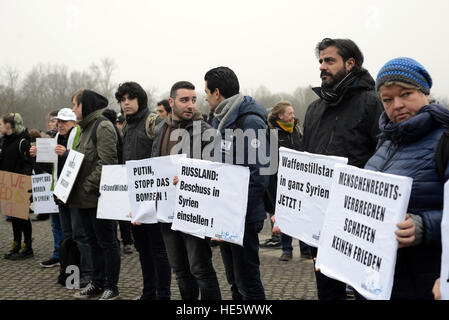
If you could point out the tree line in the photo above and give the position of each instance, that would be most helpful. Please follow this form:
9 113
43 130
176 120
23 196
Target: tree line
49 87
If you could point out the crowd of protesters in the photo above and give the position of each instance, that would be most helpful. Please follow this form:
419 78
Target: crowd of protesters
389 125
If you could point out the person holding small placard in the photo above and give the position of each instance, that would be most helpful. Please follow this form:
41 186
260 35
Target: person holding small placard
411 130
15 157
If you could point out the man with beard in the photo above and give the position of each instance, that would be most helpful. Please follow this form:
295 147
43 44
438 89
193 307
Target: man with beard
189 256
343 121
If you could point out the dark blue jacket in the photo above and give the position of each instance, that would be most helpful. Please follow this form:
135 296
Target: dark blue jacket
408 149
255 117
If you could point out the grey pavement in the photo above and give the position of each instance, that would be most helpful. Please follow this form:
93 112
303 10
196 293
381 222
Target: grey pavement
26 280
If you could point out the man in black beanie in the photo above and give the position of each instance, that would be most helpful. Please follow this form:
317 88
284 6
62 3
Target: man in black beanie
88 107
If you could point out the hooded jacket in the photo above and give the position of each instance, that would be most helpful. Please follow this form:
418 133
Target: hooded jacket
255 119
136 143
348 127
85 191
408 149
15 153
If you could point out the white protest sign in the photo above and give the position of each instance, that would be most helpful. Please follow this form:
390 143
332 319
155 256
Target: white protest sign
444 279
68 175
358 243
113 203
43 200
211 200
150 186
165 169
303 191
46 150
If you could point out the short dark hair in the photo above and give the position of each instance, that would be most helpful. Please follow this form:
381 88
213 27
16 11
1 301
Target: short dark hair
346 49
180 85
134 90
165 104
224 79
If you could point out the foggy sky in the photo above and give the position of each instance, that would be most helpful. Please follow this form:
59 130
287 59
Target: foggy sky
271 43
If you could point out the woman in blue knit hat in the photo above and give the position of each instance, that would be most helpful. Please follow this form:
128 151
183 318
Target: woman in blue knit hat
411 130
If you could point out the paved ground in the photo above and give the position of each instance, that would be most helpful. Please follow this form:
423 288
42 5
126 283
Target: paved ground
26 280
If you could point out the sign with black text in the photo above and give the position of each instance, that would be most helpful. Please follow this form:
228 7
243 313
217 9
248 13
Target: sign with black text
444 278
42 195
358 242
303 191
211 200
68 175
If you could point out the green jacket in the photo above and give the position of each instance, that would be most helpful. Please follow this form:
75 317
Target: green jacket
85 191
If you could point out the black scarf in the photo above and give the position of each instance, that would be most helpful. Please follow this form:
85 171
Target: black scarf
331 95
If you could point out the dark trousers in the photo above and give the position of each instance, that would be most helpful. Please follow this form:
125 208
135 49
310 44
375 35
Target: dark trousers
20 226
287 246
105 249
243 265
156 271
72 226
330 289
191 260
125 232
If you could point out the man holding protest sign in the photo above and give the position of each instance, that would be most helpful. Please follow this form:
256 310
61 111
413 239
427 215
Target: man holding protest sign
412 132
189 256
137 145
88 107
343 121
67 139
235 111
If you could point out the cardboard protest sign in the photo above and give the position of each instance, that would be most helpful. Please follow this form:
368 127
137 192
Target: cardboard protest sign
444 279
68 175
358 244
211 200
303 191
43 200
46 150
113 203
14 196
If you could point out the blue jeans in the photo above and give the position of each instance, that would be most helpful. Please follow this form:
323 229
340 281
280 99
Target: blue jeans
287 247
191 260
242 265
156 271
105 249
57 233
72 226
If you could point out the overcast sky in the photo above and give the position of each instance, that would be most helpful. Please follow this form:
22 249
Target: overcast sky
266 42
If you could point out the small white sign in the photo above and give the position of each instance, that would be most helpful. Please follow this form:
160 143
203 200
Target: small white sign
68 175
113 203
45 150
43 201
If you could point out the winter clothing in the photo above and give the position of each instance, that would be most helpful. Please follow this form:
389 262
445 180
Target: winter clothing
85 191
347 127
255 117
408 148
405 70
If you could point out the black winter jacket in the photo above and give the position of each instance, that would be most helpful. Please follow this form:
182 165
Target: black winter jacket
347 128
11 158
136 144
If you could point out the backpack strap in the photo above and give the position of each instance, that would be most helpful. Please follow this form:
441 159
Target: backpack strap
93 136
442 154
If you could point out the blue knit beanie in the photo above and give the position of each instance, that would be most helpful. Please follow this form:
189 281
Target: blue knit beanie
405 70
